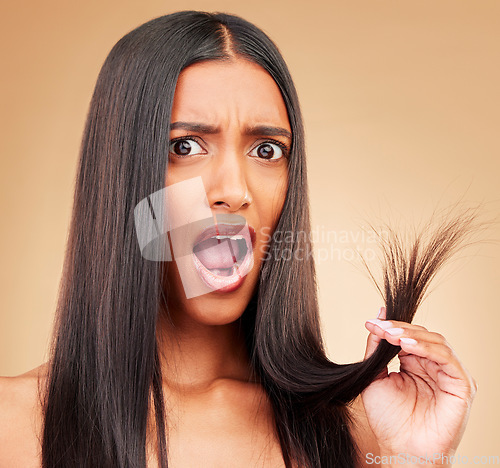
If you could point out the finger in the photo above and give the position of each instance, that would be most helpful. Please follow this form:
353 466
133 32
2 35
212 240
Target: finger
373 340
382 316
394 324
441 354
371 345
443 367
450 375
389 331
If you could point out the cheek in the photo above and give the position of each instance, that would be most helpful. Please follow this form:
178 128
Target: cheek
269 197
173 175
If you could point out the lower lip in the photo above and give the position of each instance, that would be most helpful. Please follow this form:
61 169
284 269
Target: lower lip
225 284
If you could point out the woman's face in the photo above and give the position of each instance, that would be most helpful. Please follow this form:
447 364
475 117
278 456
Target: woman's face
230 131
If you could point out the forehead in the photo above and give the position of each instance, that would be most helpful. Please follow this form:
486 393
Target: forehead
217 92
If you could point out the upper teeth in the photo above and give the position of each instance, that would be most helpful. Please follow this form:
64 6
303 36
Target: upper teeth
228 237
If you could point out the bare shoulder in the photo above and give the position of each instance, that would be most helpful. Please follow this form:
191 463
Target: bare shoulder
21 417
22 391
362 433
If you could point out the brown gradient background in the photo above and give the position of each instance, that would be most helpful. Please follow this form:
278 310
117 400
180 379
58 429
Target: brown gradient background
402 111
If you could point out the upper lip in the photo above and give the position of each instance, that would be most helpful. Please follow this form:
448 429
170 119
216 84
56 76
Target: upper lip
224 229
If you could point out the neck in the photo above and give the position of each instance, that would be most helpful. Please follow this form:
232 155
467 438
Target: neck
195 355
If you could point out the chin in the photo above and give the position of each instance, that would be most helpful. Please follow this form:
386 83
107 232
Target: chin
215 307
212 311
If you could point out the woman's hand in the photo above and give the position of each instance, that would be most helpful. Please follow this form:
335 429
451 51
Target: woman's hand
422 410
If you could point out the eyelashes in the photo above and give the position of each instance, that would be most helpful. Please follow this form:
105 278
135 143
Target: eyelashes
178 144
283 149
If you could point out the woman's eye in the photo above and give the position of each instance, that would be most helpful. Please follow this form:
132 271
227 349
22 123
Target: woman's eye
268 150
185 147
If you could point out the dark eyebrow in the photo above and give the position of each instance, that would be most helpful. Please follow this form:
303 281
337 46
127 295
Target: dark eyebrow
262 130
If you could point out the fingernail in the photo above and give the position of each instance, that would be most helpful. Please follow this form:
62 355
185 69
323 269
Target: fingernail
395 331
408 341
380 312
381 323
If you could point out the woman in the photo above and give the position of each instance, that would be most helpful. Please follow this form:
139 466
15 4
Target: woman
219 364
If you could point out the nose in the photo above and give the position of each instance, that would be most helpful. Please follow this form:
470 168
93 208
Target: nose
227 184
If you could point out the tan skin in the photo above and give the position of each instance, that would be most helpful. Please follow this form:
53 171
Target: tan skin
218 415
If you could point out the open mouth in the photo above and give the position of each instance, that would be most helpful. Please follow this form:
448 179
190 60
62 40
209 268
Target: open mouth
223 256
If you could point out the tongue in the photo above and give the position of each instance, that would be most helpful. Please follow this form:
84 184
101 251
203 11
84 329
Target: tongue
216 253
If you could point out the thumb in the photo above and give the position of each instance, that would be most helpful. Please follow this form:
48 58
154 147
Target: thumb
372 343
373 340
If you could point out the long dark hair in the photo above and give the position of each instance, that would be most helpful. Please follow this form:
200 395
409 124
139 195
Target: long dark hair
105 366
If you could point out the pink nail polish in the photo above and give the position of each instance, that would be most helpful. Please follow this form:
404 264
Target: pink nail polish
395 331
381 323
409 341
